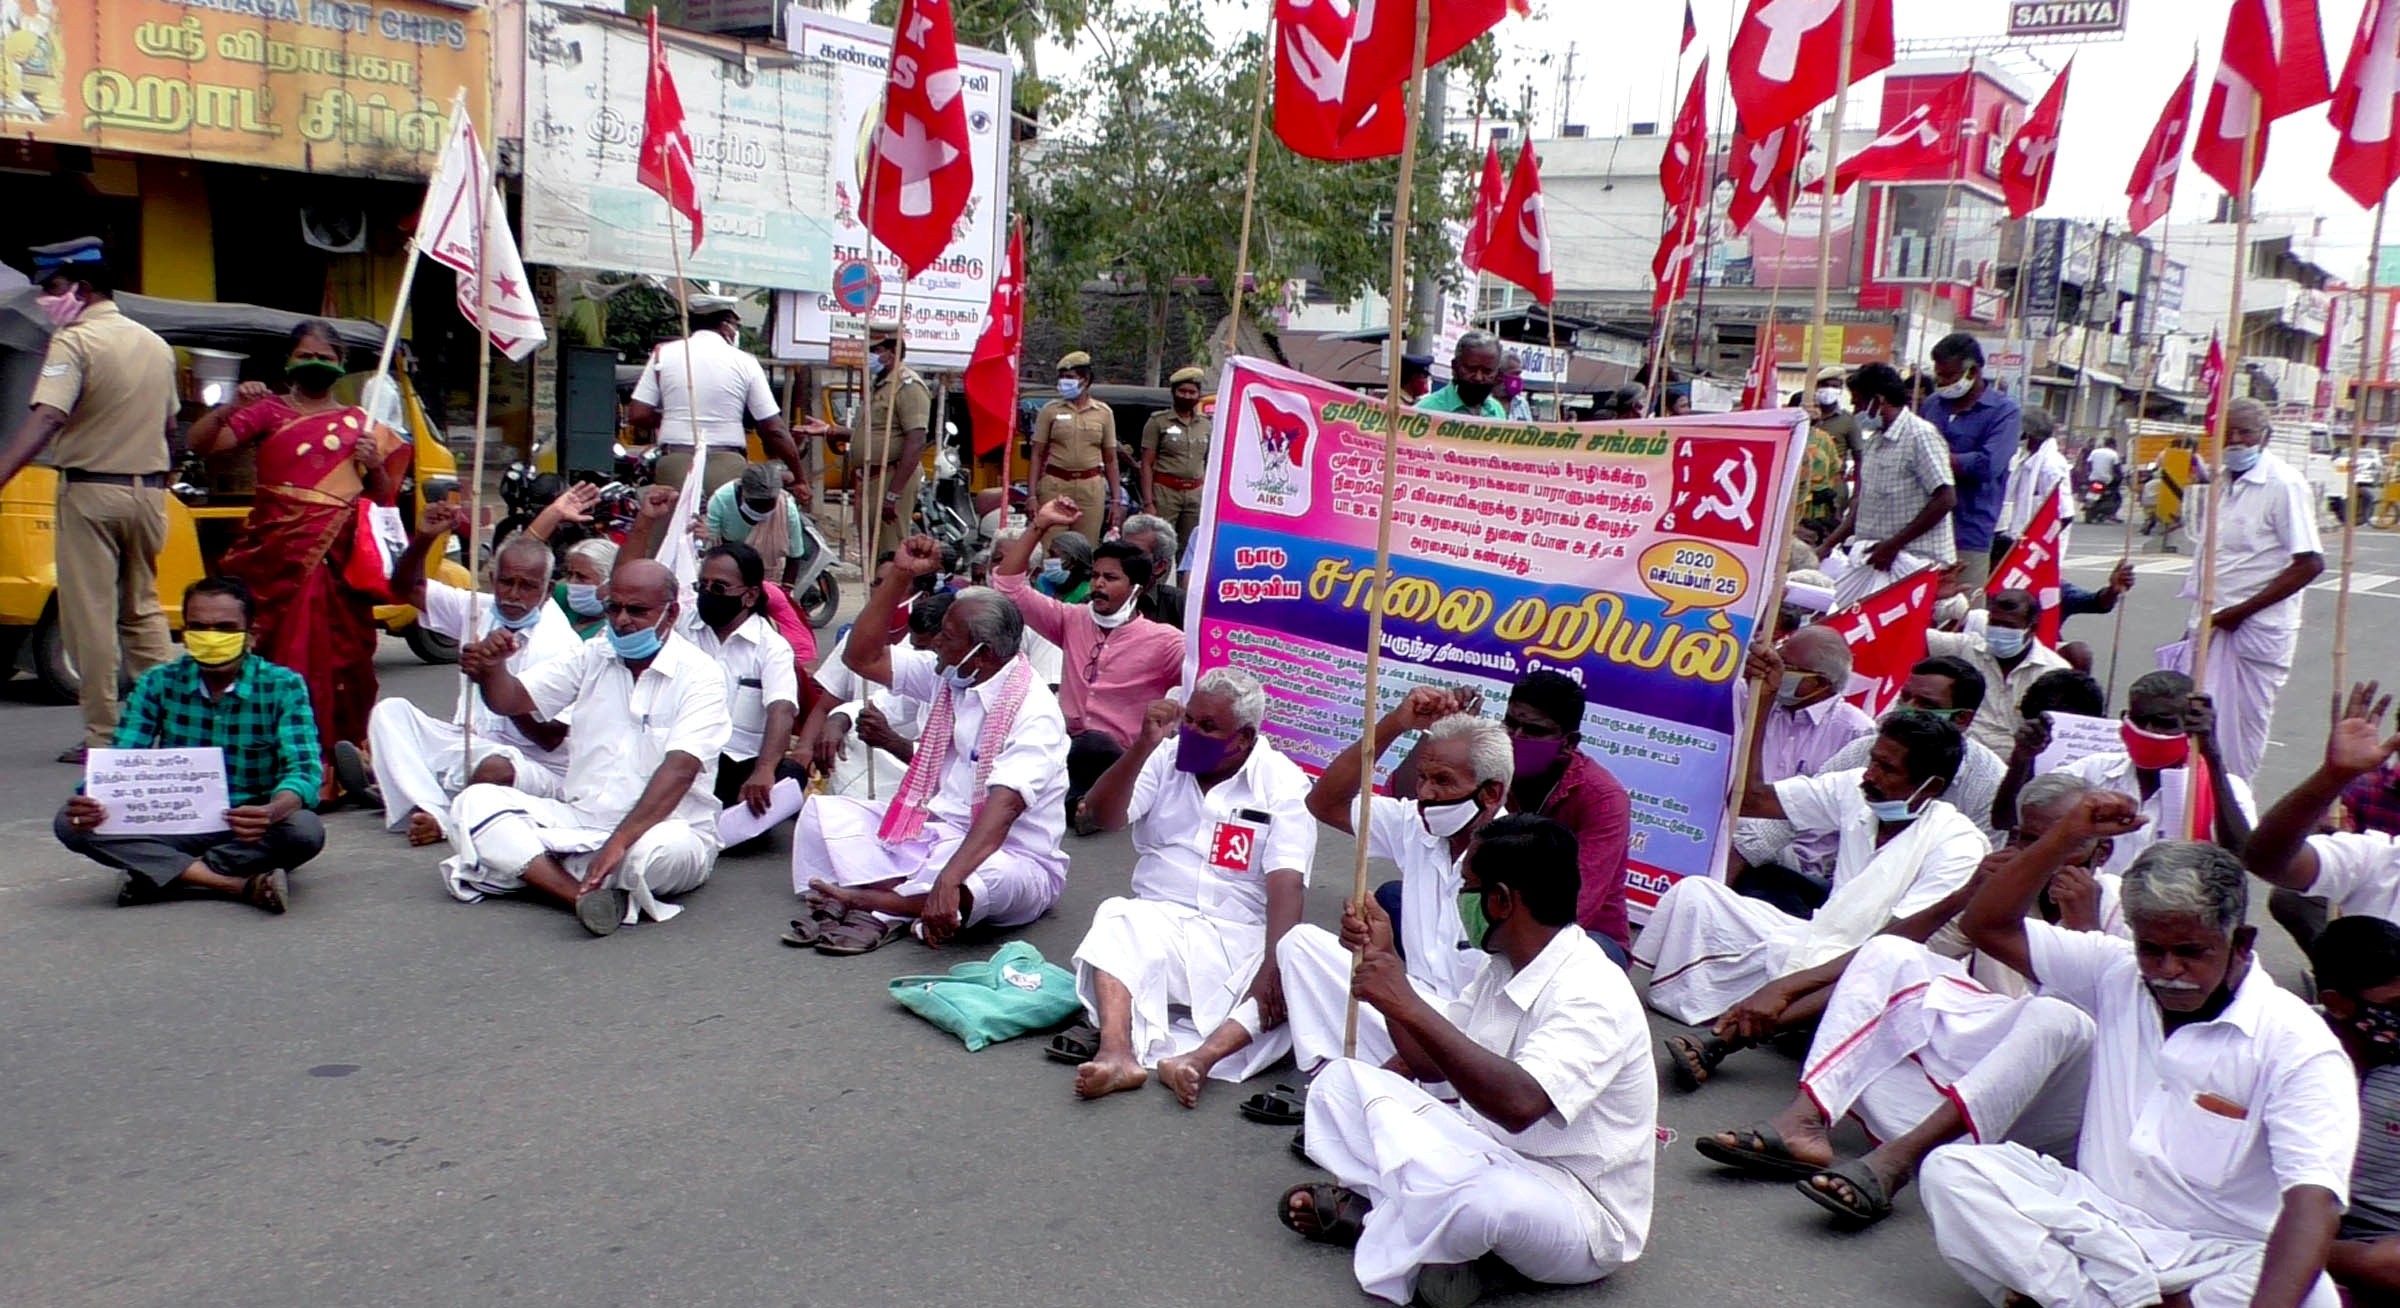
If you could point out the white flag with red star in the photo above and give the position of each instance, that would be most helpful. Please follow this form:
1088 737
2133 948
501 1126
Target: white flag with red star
465 228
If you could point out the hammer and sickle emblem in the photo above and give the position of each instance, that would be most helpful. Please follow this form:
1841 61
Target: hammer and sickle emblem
1739 490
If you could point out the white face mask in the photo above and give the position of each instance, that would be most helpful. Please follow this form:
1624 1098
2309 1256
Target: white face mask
1828 397
1447 819
1123 615
1956 390
956 677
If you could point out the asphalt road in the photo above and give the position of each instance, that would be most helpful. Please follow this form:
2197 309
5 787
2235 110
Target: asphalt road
387 1097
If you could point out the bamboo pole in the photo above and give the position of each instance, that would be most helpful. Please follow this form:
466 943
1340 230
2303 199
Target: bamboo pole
1241 257
2358 438
2215 451
470 695
2133 510
1391 475
1833 167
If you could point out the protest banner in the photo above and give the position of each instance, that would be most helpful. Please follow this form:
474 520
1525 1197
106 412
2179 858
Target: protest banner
2074 738
157 792
1635 558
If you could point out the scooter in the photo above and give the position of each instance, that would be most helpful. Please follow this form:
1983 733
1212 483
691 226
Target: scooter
2101 502
814 591
946 506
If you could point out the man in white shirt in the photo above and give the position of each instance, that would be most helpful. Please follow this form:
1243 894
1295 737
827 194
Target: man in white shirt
2222 1118
2010 656
1923 1046
2038 472
1463 772
637 818
420 763
1222 826
2267 553
1903 849
2102 463
2356 873
726 384
972 835
2165 724
1548 1160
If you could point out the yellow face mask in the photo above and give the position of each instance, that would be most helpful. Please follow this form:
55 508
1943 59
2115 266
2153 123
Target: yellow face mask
215 649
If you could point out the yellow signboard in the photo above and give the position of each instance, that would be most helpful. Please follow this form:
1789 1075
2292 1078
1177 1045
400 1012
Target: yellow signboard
327 86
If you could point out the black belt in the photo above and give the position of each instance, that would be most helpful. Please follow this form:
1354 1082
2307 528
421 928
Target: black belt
144 480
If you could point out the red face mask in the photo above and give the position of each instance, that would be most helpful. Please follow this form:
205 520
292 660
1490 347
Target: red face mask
2150 750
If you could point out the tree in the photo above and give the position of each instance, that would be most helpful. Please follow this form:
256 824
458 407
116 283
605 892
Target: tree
1016 26
1142 186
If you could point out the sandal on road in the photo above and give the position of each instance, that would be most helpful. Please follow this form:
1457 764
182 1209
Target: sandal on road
1282 1106
1078 1044
863 933
1850 1190
818 911
1337 1212
267 890
1758 1151
601 910
1691 1061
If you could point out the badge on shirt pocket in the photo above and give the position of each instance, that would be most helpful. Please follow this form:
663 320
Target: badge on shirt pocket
1233 847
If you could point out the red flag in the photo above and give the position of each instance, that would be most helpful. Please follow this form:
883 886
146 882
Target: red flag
2212 380
1519 248
1684 162
2273 65
1691 30
1717 489
2033 564
2152 188
1786 55
919 170
1489 195
1886 631
1758 388
991 376
1384 43
2366 161
2032 154
2204 803
1762 169
665 163
1923 144
1312 64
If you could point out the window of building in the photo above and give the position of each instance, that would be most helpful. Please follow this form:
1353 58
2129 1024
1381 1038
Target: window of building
1922 243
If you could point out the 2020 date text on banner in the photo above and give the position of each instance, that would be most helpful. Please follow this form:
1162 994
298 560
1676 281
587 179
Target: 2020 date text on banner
1636 558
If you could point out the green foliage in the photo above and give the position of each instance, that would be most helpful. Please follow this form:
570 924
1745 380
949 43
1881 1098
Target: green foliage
1016 26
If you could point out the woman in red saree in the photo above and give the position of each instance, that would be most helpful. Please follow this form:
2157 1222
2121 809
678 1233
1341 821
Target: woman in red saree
317 459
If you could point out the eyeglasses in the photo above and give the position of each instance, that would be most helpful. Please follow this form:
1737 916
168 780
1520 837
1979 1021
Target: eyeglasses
1945 714
1091 669
715 588
617 610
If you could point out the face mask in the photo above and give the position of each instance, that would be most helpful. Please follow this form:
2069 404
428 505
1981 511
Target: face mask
2006 642
1201 755
1512 387
527 621
1869 425
1536 757
1123 615
1474 393
313 376
2377 1027
1054 571
749 514
1956 390
62 309
215 649
2150 749
1070 388
876 366
718 610
1789 692
1470 916
2241 458
958 680
1828 397
637 646
1446 818
583 598
1897 810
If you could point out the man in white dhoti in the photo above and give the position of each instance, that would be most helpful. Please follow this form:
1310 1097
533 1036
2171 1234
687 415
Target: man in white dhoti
419 761
2267 553
636 818
972 835
1924 1048
1463 773
1903 850
1546 1165
2165 727
1181 976
2355 873
2221 1121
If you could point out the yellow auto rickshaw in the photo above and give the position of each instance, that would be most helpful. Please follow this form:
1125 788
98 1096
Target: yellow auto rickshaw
210 497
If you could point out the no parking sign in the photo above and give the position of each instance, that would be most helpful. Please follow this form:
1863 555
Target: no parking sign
856 287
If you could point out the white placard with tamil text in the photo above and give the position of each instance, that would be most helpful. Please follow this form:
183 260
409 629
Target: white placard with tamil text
2074 737
157 792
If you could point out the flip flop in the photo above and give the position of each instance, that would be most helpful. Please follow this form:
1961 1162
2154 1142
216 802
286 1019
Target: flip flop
1868 1204
805 932
1282 1106
350 769
1300 1146
267 890
1766 1155
601 911
863 934
1078 1044
1691 1062
1341 1212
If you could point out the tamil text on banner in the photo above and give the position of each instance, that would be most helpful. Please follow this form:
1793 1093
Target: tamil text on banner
360 87
761 127
1633 558
947 302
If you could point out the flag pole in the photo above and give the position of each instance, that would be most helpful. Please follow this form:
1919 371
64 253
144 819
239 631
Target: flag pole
2358 437
881 470
1258 130
2216 433
1558 380
484 194
1808 371
1414 109
2133 511
1815 347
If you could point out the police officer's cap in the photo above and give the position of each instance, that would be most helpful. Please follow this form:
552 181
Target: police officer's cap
1078 359
48 259
1192 375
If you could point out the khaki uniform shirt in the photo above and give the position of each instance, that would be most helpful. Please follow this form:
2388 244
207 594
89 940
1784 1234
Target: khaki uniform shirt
1182 446
115 381
1079 439
915 412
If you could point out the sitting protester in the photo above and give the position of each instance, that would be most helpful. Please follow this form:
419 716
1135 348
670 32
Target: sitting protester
2165 725
2009 655
2357 966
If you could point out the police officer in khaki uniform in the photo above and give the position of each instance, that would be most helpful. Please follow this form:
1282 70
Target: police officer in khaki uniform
1175 455
107 401
1075 449
903 415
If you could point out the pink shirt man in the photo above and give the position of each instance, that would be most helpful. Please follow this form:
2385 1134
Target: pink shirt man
1108 678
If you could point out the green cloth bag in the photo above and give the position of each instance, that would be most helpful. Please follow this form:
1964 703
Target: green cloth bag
1006 996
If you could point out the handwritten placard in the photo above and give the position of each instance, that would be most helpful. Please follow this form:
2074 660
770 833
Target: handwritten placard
2074 737
157 792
